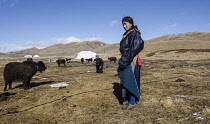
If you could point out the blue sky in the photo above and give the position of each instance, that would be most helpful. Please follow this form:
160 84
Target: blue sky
41 23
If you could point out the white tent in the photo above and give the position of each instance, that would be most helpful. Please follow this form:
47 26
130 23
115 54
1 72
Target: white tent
85 55
28 56
36 55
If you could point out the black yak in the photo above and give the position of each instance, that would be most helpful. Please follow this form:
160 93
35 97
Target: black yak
112 59
23 71
90 59
61 61
68 60
29 60
99 65
82 60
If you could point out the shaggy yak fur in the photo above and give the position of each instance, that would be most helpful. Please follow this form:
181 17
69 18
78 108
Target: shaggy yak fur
68 60
99 65
61 61
29 60
89 60
82 60
112 59
23 71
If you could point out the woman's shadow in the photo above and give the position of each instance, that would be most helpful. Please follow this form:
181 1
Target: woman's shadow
118 91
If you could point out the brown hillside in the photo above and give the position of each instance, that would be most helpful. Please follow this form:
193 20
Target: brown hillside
72 48
69 49
191 40
27 51
203 37
185 36
2 53
112 49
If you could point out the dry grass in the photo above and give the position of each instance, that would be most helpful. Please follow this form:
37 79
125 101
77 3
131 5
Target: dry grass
94 98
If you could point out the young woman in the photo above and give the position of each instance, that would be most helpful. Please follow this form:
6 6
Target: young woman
129 63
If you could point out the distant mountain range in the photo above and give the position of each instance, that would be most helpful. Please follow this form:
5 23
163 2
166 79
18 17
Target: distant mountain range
191 40
69 49
205 36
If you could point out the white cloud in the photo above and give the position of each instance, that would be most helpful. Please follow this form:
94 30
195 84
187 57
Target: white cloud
28 43
166 29
11 47
39 44
58 39
92 39
169 28
174 25
11 3
53 41
14 2
71 39
113 22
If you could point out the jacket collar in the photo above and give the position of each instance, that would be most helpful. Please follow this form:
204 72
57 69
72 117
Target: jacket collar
129 31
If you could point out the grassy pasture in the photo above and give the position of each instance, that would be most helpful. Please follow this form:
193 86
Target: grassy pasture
172 91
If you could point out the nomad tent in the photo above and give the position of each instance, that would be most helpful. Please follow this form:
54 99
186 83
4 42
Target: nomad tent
28 56
85 55
36 55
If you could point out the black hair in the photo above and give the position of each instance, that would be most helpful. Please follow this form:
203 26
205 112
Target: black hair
128 19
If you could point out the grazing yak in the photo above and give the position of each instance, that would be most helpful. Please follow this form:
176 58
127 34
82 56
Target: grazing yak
90 59
23 71
112 59
68 60
82 60
29 60
61 61
99 65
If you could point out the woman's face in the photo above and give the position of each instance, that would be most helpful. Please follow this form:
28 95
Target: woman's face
127 25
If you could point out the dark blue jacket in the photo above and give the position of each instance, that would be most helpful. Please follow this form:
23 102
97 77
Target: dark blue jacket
130 46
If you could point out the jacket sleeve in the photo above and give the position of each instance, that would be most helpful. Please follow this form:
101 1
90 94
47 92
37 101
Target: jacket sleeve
135 45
